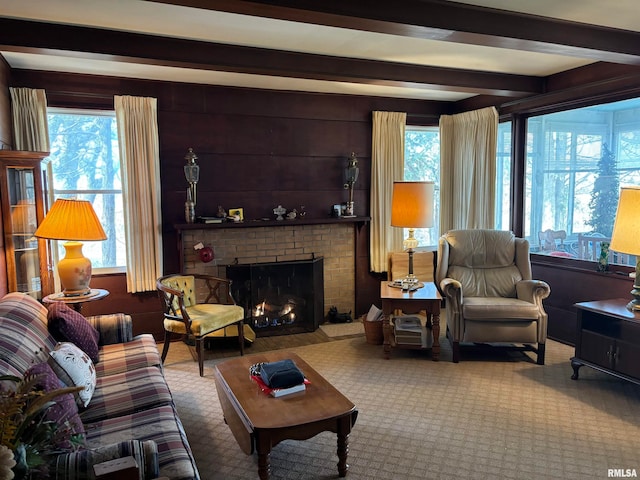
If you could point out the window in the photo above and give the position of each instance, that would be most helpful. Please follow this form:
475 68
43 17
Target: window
576 162
503 177
85 164
422 163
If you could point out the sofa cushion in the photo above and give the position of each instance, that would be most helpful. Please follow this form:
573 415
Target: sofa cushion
79 368
67 325
64 412
140 352
127 392
25 339
75 465
160 424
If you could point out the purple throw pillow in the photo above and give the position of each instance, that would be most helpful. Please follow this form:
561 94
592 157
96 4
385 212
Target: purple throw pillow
67 325
65 411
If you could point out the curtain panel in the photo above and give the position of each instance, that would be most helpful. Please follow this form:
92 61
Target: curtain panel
468 169
29 118
137 123
387 166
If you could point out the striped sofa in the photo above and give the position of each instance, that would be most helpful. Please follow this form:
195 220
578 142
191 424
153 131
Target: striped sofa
131 412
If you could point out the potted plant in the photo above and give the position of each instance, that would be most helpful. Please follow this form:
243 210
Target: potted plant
28 439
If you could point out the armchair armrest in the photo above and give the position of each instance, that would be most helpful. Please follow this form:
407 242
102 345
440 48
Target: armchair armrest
113 328
452 289
77 465
533 291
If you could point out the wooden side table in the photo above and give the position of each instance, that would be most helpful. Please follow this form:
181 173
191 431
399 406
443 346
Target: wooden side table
77 300
608 339
426 298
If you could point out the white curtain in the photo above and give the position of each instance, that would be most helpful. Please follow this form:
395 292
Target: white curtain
138 136
468 169
387 166
29 116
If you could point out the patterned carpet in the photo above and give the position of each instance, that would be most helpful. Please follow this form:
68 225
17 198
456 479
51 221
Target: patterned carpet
492 416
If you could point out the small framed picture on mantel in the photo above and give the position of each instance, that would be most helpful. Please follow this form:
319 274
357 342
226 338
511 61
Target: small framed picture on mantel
236 214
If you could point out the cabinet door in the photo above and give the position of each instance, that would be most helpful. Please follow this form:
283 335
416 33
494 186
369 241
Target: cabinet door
597 348
627 355
22 212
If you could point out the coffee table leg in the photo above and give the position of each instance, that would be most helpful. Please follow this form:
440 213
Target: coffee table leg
344 428
263 446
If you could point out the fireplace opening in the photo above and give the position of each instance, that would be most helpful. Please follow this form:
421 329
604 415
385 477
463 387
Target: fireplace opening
280 298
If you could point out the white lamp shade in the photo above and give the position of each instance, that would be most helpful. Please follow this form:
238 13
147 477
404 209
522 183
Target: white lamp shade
626 230
412 204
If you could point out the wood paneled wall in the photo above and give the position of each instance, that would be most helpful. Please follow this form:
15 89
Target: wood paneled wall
256 149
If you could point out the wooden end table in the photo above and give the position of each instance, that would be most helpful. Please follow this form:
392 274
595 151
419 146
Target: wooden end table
608 339
76 301
259 422
426 298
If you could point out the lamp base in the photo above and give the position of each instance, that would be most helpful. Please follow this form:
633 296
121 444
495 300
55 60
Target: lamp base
74 271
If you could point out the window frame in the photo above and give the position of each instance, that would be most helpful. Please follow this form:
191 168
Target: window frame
51 193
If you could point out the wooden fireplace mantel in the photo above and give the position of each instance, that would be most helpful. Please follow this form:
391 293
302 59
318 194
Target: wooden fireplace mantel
269 223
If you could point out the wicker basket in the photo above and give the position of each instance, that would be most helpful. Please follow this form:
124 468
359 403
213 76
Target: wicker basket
373 331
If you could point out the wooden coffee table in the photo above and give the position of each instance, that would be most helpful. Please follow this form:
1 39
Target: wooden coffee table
259 422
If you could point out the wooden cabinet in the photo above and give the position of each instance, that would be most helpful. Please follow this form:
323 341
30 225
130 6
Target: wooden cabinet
22 206
608 339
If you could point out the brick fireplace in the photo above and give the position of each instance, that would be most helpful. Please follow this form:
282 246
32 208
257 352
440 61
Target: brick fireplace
293 240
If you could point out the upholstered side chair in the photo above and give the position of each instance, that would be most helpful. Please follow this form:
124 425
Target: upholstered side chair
485 277
200 306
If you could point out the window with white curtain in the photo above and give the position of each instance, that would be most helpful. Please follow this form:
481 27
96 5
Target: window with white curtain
422 163
85 164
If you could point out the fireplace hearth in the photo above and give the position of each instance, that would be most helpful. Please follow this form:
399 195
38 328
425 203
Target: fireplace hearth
281 297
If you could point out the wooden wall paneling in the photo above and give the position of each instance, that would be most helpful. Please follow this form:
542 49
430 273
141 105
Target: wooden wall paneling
573 285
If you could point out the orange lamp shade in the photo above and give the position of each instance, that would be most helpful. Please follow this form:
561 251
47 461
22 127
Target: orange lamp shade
412 204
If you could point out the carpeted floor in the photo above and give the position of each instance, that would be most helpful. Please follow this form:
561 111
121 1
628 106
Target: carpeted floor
491 416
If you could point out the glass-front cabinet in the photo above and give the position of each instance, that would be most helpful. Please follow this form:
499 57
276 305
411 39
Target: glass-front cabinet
22 201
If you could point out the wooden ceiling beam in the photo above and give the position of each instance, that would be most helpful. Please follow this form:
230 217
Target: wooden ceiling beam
93 43
449 22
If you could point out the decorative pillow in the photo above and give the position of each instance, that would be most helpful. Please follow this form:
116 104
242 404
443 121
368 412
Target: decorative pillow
67 325
64 412
79 367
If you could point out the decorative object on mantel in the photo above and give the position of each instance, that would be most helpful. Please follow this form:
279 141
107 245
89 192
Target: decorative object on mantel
412 207
279 211
336 210
189 208
302 212
192 172
351 176
236 214
292 214
221 212
626 235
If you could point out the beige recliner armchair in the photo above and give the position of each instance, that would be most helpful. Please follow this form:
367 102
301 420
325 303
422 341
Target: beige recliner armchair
485 277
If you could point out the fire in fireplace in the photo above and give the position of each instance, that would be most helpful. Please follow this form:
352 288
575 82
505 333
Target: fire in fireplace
281 297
